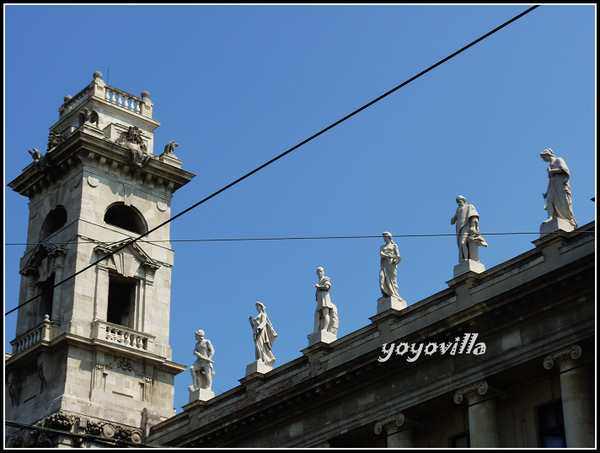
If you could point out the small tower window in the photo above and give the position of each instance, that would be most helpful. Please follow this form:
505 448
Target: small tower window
125 217
121 301
47 296
53 222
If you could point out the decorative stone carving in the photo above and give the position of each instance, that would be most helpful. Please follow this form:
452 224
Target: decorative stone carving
390 422
37 156
390 257
398 431
264 336
468 236
170 148
326 315
124 364
81 425
572 352
128 259
59 420
138 150
388 276
202 370
558 195
87 115
92 181
477 388
54 139
41 161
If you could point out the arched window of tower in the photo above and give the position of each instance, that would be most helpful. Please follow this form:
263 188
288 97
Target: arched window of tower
53 222
126 217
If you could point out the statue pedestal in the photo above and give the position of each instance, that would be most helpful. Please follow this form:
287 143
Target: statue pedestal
258 367
468 266
555 224
321 336
200 394
387 303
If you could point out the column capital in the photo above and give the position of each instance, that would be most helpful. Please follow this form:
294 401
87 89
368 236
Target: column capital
474 390
395 421
563 356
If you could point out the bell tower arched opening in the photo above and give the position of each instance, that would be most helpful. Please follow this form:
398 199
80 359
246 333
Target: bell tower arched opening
126 217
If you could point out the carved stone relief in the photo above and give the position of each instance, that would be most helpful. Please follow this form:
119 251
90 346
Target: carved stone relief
55 139
87 115
81 425
134 142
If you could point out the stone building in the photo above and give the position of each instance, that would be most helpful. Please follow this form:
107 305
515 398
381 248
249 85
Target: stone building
502 358
92 355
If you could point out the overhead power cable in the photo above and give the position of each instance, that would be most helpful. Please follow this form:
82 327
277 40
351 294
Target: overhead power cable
306 238
285 153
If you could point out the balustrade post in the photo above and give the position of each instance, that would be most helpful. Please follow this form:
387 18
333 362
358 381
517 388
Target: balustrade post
146 107
98 86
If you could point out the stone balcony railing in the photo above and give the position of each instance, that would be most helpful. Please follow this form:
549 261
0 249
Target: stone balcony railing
122 99
123 336
45 331
119 98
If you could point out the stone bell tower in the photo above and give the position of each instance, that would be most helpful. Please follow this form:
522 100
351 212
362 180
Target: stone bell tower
91 356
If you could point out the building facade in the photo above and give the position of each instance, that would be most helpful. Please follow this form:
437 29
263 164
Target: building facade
91 355
503 358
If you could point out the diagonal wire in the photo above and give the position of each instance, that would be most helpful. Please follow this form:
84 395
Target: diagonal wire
285 153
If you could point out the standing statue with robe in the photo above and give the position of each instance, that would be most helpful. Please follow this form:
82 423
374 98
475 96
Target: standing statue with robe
202 369
388 275
326 317
558 195
264 335
468 236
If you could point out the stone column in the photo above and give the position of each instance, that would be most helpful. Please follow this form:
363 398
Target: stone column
57 267
398 435
577 397
483 427
28 310
101 296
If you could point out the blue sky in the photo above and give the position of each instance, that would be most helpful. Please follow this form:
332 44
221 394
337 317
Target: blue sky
236 85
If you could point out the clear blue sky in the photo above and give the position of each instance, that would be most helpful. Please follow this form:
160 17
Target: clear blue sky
235 86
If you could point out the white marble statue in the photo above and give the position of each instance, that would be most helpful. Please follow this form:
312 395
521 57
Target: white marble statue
468 236
390 257
202 370
264 336
326 318
558 196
